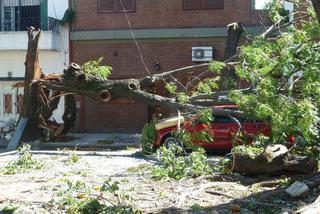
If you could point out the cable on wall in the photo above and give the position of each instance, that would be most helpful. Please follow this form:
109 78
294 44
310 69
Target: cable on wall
134 38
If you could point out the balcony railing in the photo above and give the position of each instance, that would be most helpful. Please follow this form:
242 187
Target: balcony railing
21 24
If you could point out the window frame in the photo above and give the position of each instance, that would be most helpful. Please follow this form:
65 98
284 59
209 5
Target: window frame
115 8
202 8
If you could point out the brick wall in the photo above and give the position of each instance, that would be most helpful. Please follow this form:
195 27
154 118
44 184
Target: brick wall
112 117
125 61
163 14
123 55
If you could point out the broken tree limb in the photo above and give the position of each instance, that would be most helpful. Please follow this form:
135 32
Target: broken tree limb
274 160
311 182
32 100
234 33
75 81
216 95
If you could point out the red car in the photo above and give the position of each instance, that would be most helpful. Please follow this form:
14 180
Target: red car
223 130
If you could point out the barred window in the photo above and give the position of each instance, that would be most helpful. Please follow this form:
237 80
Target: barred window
116 6
19 103
7 103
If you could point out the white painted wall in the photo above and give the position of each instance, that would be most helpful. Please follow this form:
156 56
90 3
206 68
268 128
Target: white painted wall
51 61
56 8
54 54
261 4
18 40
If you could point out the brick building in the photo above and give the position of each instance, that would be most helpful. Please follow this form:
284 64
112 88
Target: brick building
166 31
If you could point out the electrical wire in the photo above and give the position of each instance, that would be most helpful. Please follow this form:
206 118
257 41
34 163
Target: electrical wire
134 38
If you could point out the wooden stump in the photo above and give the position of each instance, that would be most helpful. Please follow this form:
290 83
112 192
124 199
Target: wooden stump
275 160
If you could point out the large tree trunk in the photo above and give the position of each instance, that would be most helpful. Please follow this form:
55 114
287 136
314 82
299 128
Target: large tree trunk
273 161
316 6
234 33
32 101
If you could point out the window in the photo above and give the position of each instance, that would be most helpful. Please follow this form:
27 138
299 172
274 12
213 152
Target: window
8 19
116 6
19 103
7 104
202 4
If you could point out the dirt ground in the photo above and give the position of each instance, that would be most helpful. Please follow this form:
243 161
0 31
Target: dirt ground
33 192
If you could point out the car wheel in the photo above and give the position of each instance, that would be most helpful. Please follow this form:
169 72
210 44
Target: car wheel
173 142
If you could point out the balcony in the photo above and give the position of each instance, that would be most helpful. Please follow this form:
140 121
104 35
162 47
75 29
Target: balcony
13 36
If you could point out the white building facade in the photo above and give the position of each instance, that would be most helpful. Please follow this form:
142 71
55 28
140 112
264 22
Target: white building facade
15 17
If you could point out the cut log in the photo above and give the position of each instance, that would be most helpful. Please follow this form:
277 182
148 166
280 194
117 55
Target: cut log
275 160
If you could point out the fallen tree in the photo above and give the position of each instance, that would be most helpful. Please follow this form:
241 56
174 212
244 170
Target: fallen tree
281 70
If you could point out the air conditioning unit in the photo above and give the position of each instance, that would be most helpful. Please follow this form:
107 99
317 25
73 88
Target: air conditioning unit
202 54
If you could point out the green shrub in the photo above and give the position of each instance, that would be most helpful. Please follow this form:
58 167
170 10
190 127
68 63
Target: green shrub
73 158
24 163
148 137
9 209
251 151
78 198
95 68
177 167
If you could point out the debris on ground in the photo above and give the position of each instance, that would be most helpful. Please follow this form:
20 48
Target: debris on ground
39 191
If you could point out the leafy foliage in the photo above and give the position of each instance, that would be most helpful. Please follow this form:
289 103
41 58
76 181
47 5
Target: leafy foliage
73 158
284 73
250 151
206 116
68 17
148 137
171 87
178 167
275 9
25 162
95 68
10 208
78 198
182 97
207 85
216 66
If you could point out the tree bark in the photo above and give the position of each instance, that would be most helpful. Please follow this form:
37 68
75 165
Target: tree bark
316 6
70 113
234 33
104 90
31 91
274 160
